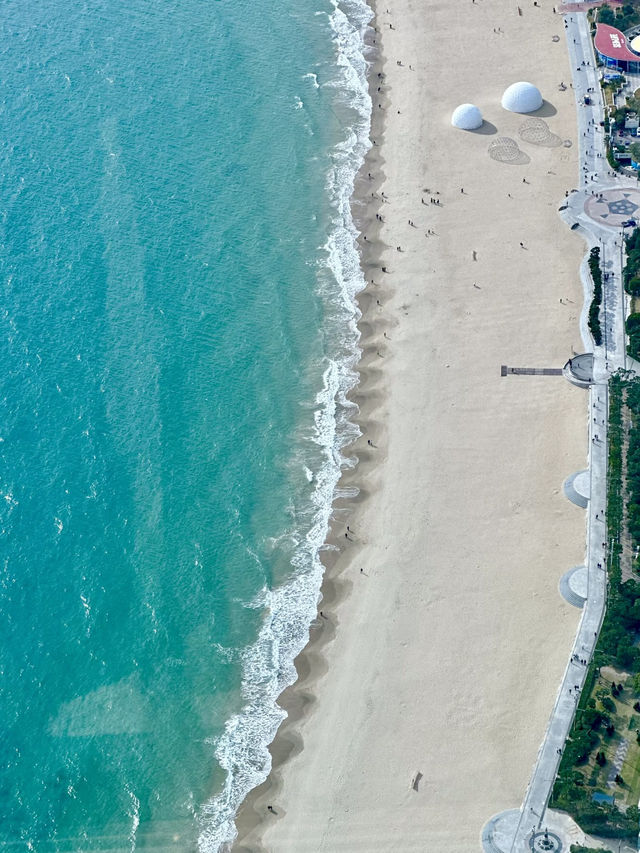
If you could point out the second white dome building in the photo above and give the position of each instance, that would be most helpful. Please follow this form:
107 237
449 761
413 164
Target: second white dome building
522 98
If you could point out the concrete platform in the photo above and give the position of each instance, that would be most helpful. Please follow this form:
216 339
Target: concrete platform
573 586
579 370
577 488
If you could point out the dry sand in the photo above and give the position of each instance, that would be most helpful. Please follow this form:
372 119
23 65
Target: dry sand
444 658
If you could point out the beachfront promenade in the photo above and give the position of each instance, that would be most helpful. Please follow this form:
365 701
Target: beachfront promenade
533 826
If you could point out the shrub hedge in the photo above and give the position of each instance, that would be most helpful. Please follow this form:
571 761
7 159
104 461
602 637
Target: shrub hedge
594 308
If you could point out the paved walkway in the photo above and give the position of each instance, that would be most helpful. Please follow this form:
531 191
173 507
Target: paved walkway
614 207
523 831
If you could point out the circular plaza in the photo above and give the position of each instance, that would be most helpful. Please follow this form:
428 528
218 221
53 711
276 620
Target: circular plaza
614 207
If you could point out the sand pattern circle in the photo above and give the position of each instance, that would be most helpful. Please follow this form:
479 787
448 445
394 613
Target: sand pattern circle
504 150
536 132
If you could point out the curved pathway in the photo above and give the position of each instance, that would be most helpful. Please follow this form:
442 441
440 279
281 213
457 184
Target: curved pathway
597 208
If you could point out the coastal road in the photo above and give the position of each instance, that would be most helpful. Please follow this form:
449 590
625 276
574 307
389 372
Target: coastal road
533 827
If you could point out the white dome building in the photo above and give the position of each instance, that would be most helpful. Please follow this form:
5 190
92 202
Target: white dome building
466 117
522 98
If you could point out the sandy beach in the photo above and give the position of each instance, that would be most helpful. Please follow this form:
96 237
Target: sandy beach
438 663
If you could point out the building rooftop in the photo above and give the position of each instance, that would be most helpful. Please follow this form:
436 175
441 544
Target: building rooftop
612 43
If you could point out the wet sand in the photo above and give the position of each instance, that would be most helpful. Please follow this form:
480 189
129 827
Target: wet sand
425 691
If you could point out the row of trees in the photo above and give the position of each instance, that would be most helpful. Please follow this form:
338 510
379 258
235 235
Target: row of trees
631 279
594 724
622 619
594 308
621 17
578 848
631 271
633 331
633 465
611 160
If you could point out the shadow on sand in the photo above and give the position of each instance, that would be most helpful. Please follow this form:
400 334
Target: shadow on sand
547 109
519 159
486 129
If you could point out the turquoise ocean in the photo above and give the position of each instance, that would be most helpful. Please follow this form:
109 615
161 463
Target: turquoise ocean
177 340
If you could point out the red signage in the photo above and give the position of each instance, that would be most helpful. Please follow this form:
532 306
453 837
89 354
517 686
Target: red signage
611 43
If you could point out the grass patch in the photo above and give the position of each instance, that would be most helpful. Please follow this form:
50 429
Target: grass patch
578 848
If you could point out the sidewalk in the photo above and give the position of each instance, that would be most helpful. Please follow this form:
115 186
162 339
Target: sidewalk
524 830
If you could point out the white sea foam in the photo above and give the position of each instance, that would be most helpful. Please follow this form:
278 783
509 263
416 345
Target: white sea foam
86 605
268 664
134 814
313 77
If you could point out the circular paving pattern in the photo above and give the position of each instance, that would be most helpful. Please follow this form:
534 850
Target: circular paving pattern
545 842
613 207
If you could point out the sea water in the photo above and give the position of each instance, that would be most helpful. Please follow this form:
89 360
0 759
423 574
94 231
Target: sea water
177 340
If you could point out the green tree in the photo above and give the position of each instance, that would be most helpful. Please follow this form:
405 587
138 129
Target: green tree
578 848
606 15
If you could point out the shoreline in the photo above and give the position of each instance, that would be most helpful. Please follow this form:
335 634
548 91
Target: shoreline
380 406
298 699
